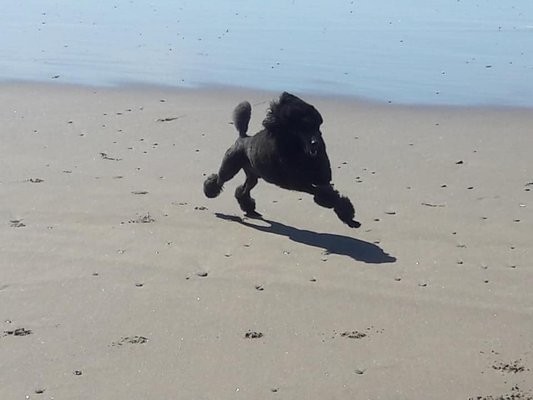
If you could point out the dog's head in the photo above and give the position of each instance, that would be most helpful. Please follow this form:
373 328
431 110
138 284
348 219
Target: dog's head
292 119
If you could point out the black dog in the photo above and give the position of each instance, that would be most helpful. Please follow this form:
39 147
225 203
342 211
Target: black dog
289 152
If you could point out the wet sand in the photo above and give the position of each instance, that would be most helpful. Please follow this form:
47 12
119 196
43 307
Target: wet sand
119 279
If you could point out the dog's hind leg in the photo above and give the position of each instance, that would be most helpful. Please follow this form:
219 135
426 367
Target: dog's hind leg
242 194
234 160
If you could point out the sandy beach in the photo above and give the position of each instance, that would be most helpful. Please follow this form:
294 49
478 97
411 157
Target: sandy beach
120 280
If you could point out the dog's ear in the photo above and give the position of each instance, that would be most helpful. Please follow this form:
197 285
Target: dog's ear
272 120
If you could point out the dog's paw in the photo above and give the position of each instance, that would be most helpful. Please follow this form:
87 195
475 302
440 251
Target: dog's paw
211 186
345 211
253 215
353 224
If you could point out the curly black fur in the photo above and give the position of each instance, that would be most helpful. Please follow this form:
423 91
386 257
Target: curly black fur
289 152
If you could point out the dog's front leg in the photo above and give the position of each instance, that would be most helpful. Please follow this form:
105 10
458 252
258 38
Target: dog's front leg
327 196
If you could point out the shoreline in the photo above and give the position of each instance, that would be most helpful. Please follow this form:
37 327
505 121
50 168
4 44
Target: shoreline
229 89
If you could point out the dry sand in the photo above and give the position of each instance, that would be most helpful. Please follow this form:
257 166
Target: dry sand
119 280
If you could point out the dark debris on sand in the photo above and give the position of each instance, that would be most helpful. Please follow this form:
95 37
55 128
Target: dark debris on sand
16 223
515 394
130 340
18 332
513 367
167 119
354 335
253 335
143 219
105 156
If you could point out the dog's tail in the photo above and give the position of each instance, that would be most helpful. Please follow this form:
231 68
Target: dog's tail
241 117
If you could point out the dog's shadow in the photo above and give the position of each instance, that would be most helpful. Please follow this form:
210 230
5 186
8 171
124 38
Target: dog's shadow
357 249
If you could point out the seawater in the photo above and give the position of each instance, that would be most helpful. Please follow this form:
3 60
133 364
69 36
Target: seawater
457 52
